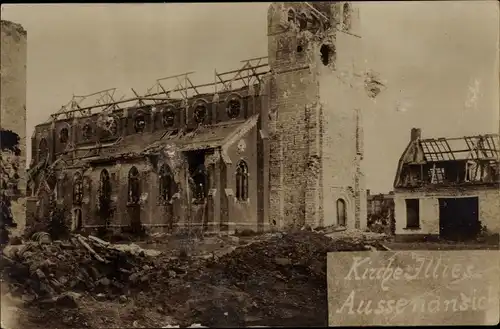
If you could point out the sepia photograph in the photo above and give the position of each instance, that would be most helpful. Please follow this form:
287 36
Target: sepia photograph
189 165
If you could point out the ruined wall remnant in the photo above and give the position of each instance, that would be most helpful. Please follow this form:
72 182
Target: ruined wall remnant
13 117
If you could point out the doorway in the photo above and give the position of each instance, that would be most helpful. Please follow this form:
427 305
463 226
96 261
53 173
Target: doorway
341 212
459 218
76 224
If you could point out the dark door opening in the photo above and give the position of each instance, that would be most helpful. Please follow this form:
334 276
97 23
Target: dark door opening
341 212
77 220
459 218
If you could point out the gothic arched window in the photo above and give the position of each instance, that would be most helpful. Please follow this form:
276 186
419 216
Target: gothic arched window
291 16
77 189
302 21
242 181
341 212
43 150
134 192
104 187
166 183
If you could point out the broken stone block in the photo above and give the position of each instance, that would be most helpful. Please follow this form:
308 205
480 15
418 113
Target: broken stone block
39 273
123 299
100 297
133 277
68 299
63 280
104 281
172 274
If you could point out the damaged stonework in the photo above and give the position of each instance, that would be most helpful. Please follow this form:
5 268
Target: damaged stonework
316 175
13 126
448 187
274 144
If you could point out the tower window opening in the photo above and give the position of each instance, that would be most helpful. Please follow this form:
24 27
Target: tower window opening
291 16
299 48
347 16
302 21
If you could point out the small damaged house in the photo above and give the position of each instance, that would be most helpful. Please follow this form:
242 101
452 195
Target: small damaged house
275 143
448 187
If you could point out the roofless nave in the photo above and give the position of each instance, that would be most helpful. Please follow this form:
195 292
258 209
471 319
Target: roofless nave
273 144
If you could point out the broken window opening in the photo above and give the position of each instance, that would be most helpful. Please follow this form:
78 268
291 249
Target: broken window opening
9 141
104 187
200 113
63 135
341 212
436 175
302 21
242 181
198 178
315 23
112 126
166 183
291 16
134 193
104 197
87 131
168 118
327 54
233 108
412 213
299 48
77 189
43 150
139 123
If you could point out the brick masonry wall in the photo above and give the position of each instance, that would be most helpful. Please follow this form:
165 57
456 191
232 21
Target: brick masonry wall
315 158
13 102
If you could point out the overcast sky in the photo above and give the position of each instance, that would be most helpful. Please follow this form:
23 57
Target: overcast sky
439 60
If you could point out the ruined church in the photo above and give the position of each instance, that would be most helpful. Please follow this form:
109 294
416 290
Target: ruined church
277 143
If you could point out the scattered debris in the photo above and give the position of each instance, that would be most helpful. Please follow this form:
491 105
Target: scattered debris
270 280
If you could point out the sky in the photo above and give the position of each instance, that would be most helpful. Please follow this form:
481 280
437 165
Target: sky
439 61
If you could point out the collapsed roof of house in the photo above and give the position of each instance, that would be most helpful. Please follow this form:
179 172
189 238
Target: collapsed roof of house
468 160
480 147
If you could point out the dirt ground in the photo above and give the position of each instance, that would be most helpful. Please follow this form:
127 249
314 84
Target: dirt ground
270 279
273 279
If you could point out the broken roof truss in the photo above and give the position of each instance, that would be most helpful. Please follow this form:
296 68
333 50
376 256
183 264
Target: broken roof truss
480 147
181 89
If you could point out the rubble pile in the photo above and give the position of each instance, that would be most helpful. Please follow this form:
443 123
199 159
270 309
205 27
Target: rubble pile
278 279
44 270
276 282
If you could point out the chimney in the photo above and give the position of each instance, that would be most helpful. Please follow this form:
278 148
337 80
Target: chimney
415 134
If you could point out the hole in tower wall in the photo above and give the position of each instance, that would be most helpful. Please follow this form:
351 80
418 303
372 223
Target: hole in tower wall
327 54
300 49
